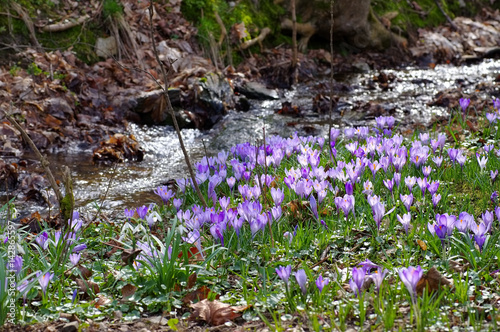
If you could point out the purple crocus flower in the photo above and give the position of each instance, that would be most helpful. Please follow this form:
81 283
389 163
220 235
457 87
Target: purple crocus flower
367 265
321 283
461 158
42 240
16 264
494 197
284 272
80 247
378 277
438 160
44 280
73 298
405 221
433 187
493 175
74 258
164 193
407 201
481 161
410 277
464 221
488 217
345 203
301 278
422 183
177 203
410 182
389 184
129 213
496 103
142 211
491 117
314 207
357 280
22 288
435 199
464 103
277 195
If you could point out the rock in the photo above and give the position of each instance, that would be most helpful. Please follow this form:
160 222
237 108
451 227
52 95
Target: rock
216 96
59 108
106 47
70 327
151 106
158 320
255 90
361 67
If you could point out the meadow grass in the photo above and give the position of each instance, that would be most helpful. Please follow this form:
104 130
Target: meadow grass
300 233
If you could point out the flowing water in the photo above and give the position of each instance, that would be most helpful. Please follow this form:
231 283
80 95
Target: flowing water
131 184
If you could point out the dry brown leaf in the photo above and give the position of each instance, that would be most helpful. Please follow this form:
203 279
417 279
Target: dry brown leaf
101 301
215 312
192 280
433 281
86 285
128 290
197 295
128 256
86 273
422 245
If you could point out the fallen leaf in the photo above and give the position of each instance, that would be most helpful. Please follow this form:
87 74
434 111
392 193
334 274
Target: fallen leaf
433 281
128 256
192 280
197 295
86 273
422 245
101 301
128 290
86 285
215 312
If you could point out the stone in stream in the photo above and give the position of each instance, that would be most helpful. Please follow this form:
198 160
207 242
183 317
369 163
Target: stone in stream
255 90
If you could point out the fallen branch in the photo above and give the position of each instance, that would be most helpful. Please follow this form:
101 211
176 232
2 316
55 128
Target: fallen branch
223 31
453 25
61 26
171 109
263 33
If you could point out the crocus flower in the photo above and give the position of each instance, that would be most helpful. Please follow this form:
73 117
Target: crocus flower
407 201
410 182
367 187
231 182
464 221
177 203
410 277
44 280
389 184
357 280
405 221
129 213
435 199
289 236
488 217
496 103
79 247
461 158
16 264
42 240
22 289
491 117
277 195
422 183
164 193
481 161
493 175
378 277
74 258
284 272
301 278
438 160
142 211
432 187
494 197
464 103
314 206
73 298
321 283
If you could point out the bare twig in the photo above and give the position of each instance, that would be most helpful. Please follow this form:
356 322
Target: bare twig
171 109
43 160
263 33
294 44
331 82
223 31
29 23
453 25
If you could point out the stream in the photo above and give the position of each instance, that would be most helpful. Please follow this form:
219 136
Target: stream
131 184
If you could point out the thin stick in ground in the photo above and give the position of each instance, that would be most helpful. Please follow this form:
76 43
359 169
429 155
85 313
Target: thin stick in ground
171 110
